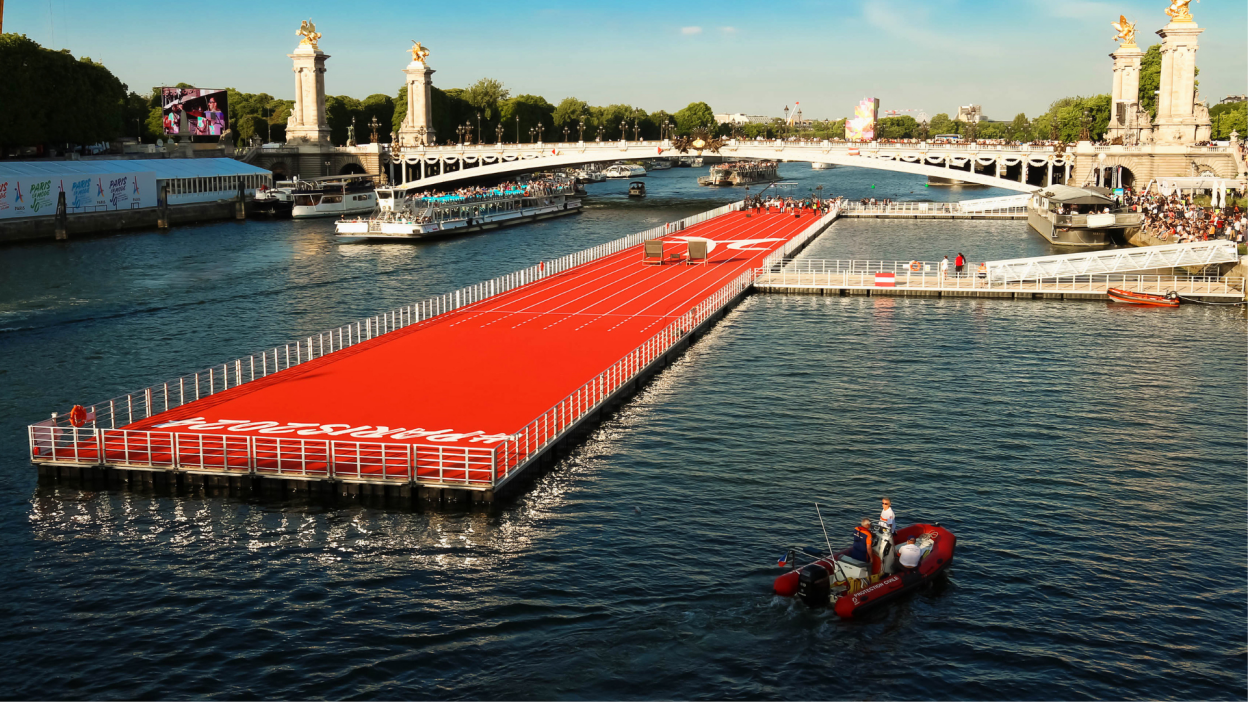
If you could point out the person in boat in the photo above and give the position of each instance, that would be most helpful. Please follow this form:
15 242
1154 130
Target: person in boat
908 555
887 517
861 550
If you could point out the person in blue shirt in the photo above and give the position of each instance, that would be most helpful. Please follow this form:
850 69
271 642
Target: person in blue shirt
861 550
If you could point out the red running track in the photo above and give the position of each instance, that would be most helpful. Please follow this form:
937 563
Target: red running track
481 373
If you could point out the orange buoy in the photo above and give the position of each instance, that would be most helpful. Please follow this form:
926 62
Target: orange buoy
77 416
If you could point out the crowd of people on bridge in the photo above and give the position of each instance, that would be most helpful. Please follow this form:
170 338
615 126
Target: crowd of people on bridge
1176 218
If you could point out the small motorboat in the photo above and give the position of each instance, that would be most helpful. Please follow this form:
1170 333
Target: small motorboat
636 189
1170 299
852 587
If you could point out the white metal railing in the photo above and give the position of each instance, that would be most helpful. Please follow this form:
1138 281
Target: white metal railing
816 273
949 209
102 438
1198 253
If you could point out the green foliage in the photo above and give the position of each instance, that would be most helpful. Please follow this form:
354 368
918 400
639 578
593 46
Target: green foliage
570 112
693 116
48 97
903 127
1068 114
485 96
941 124
993 130
528 112
1150 79
1020 128
1231 117
255 114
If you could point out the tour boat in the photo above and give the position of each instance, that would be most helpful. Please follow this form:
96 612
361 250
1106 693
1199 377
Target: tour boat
624 170
743 173
333 199
1170 299
852 587
586 175
636 189
399 217
1082 221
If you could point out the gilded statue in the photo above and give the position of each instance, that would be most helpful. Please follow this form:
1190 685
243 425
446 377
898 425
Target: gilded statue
307 30
418 52
1178 11
1126 32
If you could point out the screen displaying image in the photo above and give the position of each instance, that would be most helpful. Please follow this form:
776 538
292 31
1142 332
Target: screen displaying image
194 111
862 126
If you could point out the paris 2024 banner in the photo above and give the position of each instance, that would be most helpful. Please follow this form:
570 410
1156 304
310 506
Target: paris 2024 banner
862 126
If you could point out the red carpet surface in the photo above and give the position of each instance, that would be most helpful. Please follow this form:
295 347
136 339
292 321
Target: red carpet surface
481 373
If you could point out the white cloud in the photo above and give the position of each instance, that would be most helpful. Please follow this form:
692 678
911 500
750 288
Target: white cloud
728 30
690 30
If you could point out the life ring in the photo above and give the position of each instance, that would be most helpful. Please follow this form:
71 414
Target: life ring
77 416
915 266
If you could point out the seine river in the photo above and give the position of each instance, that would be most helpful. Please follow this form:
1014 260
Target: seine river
1090 458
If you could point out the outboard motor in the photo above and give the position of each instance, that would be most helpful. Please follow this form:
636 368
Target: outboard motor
813 586
885 550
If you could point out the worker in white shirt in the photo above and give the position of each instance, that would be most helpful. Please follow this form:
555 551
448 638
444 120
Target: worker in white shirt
908 555
887 517
944 268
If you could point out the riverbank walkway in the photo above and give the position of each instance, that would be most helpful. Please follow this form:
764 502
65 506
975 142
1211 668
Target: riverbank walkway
463 391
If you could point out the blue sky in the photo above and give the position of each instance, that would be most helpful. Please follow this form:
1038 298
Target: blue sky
1007 55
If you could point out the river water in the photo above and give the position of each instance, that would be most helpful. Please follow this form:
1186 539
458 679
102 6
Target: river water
1090 458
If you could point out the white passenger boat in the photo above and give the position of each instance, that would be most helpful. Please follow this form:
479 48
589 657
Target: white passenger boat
586 175
821 166
660 164
333 198
625 170
400 217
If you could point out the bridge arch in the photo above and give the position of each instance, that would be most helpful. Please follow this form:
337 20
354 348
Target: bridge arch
987 165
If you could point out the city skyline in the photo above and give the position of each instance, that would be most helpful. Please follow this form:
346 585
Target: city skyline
827 55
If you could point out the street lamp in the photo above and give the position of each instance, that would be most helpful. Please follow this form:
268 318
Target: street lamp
581 130
532 133
478 127
601 131
374 124
565 134
786 120
636 130
540 129
623 130
517 129
499 130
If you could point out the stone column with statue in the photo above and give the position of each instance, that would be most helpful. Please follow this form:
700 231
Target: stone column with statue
417 126
307 123
1179 119
1128 122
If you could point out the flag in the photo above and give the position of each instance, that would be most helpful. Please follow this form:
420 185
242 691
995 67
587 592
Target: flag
659 149
784 559
554 152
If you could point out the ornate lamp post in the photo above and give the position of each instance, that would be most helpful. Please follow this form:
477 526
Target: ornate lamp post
540 128
923 129
532 134
373 124
565 134
478 127
601 132
517 129
786 120
667 128
499 130
623 130
1084 135
581 130
421 132
636 130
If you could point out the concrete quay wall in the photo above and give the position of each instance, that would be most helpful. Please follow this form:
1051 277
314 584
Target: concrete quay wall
88 223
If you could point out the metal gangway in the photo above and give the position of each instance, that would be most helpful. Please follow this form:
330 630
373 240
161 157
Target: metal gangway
1111 261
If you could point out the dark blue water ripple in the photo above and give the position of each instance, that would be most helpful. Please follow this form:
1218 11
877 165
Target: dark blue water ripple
1090 458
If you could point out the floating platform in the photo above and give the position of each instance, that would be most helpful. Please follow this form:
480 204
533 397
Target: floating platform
463 391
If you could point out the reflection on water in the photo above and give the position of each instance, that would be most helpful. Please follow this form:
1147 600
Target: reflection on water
1075 448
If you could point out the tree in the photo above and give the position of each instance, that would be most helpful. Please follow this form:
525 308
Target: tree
485 95
531 111
570 112
48 97
1020 128
381 108
941 124
1231 117
695 115
903 127
1150 79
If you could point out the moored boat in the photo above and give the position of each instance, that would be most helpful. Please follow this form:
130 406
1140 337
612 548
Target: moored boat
740 173
1076 217
852 587
1170 299
624 170
333 198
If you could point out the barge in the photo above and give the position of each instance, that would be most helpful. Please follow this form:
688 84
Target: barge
1079 217
399 217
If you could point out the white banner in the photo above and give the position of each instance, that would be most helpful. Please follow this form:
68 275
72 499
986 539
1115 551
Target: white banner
35 196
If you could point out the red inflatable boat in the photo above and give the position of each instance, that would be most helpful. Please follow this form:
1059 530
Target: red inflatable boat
852 587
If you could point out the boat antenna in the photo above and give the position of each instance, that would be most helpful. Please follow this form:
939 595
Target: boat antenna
825 529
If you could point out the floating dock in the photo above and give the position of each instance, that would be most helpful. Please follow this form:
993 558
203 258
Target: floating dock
462 392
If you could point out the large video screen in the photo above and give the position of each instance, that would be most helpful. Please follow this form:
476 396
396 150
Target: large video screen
194 111
862 126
